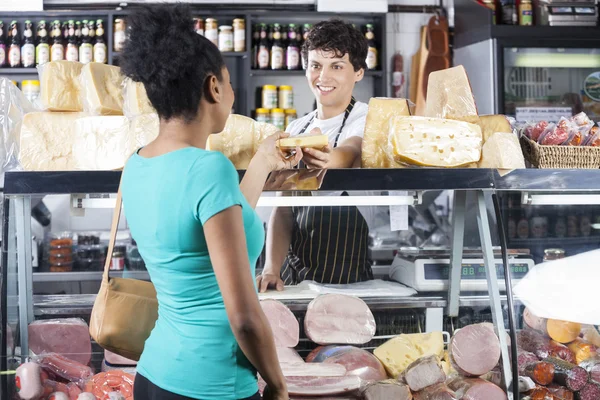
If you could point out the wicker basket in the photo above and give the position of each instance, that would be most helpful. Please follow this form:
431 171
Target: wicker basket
570 157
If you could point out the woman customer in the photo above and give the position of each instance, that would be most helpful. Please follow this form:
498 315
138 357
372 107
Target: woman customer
194 224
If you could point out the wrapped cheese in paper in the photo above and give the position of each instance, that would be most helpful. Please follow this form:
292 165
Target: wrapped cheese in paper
60 86
502 151
434 142
102 143
135 99
449 95
102 89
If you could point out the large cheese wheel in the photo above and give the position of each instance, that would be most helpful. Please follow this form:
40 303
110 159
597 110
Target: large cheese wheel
284 324
563 331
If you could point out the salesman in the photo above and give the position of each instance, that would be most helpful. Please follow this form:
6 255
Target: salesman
325 244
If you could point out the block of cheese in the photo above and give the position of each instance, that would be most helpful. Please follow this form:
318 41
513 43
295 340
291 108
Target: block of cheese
312 141
375 149
135 100
398 353
491 124
60 88
434 142
144 129
102 89
47 141
502 151
449 95
102 143
240 139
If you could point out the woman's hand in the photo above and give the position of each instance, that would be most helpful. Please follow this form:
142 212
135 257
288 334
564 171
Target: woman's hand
317 158
275 394
275 159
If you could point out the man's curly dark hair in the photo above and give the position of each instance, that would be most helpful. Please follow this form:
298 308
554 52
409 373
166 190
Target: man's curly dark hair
339 37
164 52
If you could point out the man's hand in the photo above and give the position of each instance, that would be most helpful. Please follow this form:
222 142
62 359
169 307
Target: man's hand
269 281
316 158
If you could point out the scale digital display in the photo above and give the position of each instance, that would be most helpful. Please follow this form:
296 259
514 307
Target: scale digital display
562 10
585 10
472 271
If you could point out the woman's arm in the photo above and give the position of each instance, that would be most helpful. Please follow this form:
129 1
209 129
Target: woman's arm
226 242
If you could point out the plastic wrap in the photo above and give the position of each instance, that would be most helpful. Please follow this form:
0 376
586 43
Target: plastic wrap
449 96
491 124
364 289
542 346
592 366
399 352
386 390
28 381
502 151
101 89
339 319
65 368
590 333
356 361
52 386
541 372
375 150
593 138
284 324
13 107
135 99
324 386
474 350
434 142
102 143
312 369
240 139
543 289
60 86
561 393
423 373
436 392
102 384
533 321
68 337
573 131
582 350
476 389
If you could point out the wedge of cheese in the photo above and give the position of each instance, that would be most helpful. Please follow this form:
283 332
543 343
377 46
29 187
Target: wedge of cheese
102 89
449 95
375 149
502 151
135 99
240 139
491 124
312 141
398 353
434 142
60 88
102 143
144 129
46 142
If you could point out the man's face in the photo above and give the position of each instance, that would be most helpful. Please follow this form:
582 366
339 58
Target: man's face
331 78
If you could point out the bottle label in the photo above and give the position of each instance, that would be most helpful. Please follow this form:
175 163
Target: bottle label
2 55
276 57
372 58
212 35
58 52
28 55
263 58
293 58
86 53
14 56
100 53
119 40
239 40
72 53
42 54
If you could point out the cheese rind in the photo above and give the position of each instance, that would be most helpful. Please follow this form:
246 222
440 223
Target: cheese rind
102 89
375 149
47 141
449 95
60 88
491 124
312 141
398 353
135 99
502 151
102 143
434 142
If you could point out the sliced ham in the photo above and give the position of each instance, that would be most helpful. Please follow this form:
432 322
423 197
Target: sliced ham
386 390
284 324
69 337
423 373
357 361
322 386
476 389
339 319
474 350
286 356
436 392
312 369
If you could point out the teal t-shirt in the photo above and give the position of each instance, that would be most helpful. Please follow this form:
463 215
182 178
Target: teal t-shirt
167 199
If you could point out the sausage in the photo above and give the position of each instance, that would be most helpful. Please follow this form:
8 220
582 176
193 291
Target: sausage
569 375
540 393
541 372
65 368
561 393
561 351
590 391
534 342
592 366
73 390
476 389
525 357
582 350
474 350
51 386
104 383
28 381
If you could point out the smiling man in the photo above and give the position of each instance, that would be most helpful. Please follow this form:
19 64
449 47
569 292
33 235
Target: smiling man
325 244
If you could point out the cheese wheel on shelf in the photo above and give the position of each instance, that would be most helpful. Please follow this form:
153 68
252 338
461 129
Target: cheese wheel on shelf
449 95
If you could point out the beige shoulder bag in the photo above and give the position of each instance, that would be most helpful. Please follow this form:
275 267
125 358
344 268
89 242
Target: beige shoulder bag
125 310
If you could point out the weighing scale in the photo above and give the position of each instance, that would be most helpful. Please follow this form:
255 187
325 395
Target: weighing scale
427 270
567 12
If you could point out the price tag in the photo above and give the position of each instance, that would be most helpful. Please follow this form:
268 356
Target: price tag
537 114
398 214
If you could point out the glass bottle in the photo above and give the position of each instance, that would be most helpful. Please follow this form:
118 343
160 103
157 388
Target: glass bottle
72 53
277 51
28 49
57 51
100 44
14 52
293 49
264 53
372 52
2 45
42 51
86 49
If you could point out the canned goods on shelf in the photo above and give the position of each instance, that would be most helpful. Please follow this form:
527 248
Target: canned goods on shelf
278 118
269 97
263 115
286 97
225 38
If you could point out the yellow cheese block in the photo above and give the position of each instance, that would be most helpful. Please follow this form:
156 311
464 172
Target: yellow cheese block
46 141
398 353
135 99
312 141
102 143
240 139
375 144
102 88
491 124
60 88
502 151
435 142
449 95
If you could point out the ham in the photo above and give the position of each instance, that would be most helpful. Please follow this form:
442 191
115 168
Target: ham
69 337
476 389
339 319
312 369
423 373
322 386
386 390
474 350
286 355
284 324
357 361
436 392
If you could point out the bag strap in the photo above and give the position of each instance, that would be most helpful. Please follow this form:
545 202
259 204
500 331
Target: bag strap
113 232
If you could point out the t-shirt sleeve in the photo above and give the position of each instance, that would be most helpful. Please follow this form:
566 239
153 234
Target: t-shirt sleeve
215 186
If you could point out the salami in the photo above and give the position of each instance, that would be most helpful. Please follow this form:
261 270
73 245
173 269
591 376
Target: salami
592 366
559 350
536 343
541 372
569 375
525 357
474 350
423 373
339 319
386 390
104 383
590 391
65 368
284 324
322 386
436 392
561 393
540 393
476 389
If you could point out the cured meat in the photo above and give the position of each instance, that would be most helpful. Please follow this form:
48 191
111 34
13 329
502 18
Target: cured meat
357 361
423 373
286 356
474 350
561 393
476 389
540 393
525 357
495 376
284 324
323 386
590 391
339 319
28 381
592 366
73 390
541 372
561 351
312 369
582 350
65 368
69 337
51 386
386 390
534 322
569 375
542 347
436 392
104 383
